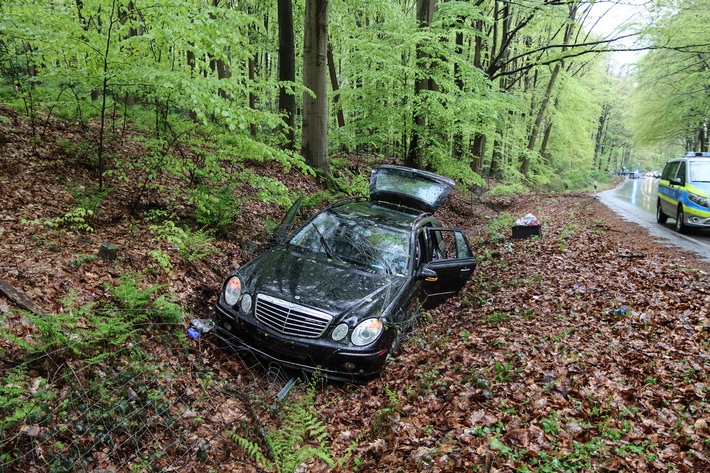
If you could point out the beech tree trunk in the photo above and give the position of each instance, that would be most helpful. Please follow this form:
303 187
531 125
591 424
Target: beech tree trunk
335 86
425 14
600 136
314 143
287 71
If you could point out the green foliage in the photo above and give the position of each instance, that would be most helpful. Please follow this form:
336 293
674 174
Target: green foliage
360 186
215 208
386 417
672 104
87 331
179 71
191 245
508 189
253 450
301 437
550 424
17 401
497 317
354 181
499 228
149 304
503 371
74 220
79 219
91 199
162 258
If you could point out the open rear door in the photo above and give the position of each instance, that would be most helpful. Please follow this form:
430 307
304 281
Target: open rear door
452 263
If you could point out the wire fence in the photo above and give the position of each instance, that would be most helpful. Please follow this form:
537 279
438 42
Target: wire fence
161 402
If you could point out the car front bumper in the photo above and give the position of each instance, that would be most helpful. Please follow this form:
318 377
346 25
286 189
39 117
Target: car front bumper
696 217
306 355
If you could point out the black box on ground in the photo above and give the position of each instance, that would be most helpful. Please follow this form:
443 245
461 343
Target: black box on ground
527 231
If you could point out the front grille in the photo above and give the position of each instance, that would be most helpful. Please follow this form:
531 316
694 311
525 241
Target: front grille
291 319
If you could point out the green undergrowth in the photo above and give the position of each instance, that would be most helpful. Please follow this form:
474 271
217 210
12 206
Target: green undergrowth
299 437
82 379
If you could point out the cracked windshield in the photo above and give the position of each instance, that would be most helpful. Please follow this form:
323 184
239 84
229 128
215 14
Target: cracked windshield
360 242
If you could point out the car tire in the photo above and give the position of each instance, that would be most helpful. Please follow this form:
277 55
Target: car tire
680 226
660 216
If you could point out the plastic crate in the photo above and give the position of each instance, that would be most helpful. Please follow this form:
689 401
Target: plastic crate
527 231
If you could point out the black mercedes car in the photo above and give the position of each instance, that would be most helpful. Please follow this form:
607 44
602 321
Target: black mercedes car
337 294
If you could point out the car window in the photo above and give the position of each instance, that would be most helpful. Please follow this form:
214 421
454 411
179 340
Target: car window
356 241
681 171
670 170
700 171
449 244
438 250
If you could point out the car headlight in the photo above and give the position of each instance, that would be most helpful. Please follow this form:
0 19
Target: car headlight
232 291
366 332
702 201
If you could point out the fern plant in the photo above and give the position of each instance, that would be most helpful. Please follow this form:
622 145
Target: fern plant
301 437
142 304
191 245
18 402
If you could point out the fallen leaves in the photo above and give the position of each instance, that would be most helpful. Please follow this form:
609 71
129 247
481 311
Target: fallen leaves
586 350
566 355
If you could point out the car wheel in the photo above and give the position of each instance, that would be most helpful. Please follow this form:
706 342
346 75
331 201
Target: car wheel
660 216
680 226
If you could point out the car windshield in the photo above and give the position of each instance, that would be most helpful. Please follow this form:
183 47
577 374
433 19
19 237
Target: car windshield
700 171
356 241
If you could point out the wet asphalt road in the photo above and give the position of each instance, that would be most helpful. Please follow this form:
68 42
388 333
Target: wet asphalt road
635 201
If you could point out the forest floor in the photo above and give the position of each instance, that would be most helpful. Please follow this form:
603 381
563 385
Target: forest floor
584 350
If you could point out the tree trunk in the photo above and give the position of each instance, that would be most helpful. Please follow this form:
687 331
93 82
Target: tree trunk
314 144
287 71
220 66
600 136
532 140
494 169
702 138
525 166
458 138
425 14
478 149
545 140
335 86
252 97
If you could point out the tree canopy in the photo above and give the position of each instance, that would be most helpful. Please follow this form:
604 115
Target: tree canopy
519 91
673 96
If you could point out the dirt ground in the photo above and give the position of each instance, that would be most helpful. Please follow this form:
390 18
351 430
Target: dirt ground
583 350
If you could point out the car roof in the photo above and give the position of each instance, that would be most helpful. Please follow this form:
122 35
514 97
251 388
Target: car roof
378 212
690 156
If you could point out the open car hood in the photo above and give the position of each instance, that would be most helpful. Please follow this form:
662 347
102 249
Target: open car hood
413 188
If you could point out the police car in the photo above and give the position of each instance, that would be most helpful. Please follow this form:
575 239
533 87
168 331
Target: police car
684 192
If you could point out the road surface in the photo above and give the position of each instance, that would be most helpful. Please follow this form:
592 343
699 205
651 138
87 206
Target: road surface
635 201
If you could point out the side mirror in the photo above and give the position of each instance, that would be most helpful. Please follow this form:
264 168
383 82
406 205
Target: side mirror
428 275
676 181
